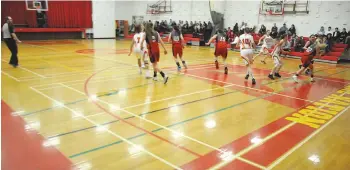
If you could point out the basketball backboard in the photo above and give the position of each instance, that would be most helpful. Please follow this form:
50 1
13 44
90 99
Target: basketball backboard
272 7
41 5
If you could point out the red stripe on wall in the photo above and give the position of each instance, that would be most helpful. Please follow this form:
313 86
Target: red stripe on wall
23 150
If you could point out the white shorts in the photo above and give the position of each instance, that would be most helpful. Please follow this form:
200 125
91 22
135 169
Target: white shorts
139 52
247 53
277 60
264 49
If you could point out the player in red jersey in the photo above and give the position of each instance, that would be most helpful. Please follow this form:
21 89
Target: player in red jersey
220 48
152 39
177 45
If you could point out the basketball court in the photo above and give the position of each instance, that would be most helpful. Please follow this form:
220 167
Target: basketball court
87 99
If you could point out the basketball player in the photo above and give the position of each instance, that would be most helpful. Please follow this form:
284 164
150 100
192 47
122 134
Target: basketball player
136 47
220 48
307 63
177 45
247 45
276 58
310 49
268 41
152 39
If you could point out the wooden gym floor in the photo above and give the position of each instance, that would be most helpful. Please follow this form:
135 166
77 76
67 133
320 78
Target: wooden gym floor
82 104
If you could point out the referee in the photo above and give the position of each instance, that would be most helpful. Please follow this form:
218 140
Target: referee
10 39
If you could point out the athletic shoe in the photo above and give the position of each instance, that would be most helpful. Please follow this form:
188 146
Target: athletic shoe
148 74
226 70
166 79
143 66
253 81
278 75
300 66
155 79
217 64
271 77
307 72
185 65
295 78
178 69
312 79
246 77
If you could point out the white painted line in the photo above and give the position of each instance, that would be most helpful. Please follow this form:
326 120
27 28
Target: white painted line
112 133
223 163
164 127
7 74
279 160
42 76
249 88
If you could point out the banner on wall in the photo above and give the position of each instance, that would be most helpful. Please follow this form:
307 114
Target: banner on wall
137 19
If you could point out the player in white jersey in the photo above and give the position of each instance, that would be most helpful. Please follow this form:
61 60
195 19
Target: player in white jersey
268 42
277 59
136 48
247 45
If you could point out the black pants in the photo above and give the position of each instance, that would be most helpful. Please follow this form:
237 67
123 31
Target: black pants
12 45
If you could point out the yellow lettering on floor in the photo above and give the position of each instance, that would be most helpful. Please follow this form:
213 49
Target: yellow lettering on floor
331 100
322 111
342 98
315 114
331 107
314 123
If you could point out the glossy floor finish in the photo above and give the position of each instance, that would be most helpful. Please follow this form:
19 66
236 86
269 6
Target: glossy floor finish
86 99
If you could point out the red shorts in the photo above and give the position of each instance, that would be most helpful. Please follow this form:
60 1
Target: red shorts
177 50
154 56
307 62
221 52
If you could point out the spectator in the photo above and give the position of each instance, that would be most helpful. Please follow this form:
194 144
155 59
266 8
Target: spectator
329 42
292 30
336 35
283 30
241 30
299 44
185 26
321 31
230 35
235 29
262 30
294 40
343 36
274 31
329 31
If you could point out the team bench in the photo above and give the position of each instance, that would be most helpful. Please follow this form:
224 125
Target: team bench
51 33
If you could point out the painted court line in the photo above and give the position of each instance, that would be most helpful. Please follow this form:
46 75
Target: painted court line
163 127
223 163
279 160
7 74
248 87
42 76
112 133
175 124
133 125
